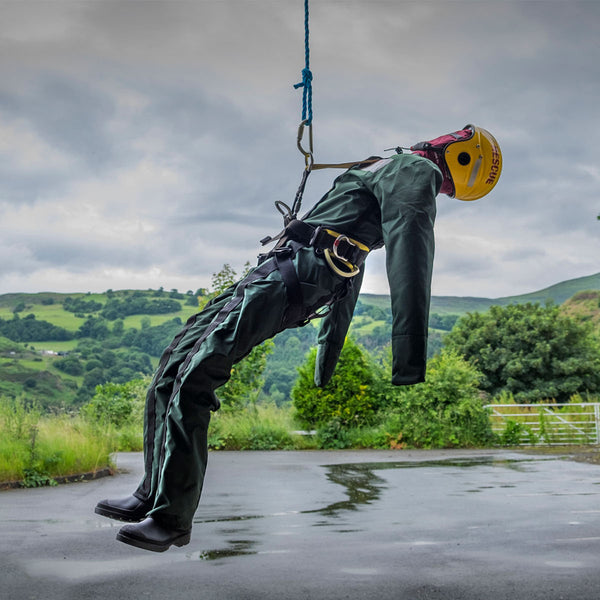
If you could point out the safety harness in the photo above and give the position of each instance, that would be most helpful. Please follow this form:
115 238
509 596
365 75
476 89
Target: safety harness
343 254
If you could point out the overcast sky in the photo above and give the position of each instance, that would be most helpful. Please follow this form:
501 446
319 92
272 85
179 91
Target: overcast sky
142 144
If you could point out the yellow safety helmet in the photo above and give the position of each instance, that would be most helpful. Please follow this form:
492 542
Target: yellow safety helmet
472 161
475 164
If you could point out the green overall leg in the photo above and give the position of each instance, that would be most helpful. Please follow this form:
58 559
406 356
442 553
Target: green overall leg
254 312
182 456
161 388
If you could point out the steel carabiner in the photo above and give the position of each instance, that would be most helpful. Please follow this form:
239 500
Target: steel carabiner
308 154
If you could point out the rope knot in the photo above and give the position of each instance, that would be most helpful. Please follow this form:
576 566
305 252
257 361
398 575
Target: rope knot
307 77
306 83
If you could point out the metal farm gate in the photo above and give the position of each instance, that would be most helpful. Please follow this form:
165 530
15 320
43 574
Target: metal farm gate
550 424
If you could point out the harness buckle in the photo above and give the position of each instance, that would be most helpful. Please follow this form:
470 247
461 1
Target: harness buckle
336 243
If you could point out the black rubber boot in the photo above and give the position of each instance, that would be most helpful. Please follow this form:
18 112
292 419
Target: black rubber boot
152 536
130 509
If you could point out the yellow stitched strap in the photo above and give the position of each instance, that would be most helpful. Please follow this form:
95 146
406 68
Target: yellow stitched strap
356 243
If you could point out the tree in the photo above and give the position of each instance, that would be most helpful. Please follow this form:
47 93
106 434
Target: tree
246 378
221 280
79 305
191 301
30 329
20 307
152 340
70 365
93 327
351 397
289 352
532 352
118 328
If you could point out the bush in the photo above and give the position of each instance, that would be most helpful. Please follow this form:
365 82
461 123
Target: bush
117 412
117 404
352 396
34 448
446 410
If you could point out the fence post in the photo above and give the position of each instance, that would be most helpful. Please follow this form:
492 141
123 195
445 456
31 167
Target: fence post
597 421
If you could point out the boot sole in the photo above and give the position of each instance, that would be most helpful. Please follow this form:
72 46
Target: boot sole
180 540
112 513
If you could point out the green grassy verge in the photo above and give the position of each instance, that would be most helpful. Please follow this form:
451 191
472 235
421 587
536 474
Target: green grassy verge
257 427
34 449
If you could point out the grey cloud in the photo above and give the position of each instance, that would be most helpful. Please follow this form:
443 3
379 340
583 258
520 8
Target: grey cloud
203 89
67 114
75 252
523 253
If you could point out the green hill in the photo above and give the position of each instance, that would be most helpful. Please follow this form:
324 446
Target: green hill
460 305
55 348
585 306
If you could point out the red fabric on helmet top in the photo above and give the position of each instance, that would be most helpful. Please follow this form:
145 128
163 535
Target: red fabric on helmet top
444 140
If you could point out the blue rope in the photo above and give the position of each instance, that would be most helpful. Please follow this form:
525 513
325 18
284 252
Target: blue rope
306 82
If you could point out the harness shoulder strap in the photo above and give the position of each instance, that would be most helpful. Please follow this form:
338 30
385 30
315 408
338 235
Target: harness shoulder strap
346 165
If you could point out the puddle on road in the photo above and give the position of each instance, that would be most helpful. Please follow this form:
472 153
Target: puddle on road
362 486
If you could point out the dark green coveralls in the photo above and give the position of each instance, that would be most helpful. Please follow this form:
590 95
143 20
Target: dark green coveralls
391 203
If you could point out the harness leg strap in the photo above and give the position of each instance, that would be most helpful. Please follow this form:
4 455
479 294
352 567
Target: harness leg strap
295 312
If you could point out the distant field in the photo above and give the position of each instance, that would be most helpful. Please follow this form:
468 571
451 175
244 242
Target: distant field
365 325
55 346
57 315
136 320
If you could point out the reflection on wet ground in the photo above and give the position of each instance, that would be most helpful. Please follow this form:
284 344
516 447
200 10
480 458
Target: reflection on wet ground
362 486
235 548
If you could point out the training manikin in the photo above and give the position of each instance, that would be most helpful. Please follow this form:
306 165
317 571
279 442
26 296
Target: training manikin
316 265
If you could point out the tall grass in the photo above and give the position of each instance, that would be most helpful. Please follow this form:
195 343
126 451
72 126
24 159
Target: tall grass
256 427
34 448
68 446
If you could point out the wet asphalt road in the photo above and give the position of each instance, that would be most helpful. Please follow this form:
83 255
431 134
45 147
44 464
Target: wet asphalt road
452 525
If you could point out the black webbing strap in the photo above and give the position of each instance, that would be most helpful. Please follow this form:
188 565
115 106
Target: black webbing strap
321 239
283 258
